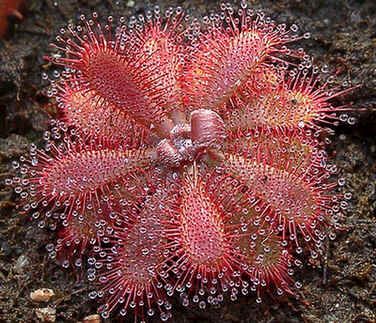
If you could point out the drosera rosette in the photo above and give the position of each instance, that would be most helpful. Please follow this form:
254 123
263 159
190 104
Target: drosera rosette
188 157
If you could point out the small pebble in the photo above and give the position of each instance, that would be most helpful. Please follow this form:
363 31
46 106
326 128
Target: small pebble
46 314
42 295
94 318
21 263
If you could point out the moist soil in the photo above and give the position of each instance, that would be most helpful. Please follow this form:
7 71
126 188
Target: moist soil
339 286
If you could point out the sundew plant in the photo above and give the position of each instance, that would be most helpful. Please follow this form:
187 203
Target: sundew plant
188 157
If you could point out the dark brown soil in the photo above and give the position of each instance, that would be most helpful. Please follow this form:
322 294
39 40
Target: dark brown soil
340 287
